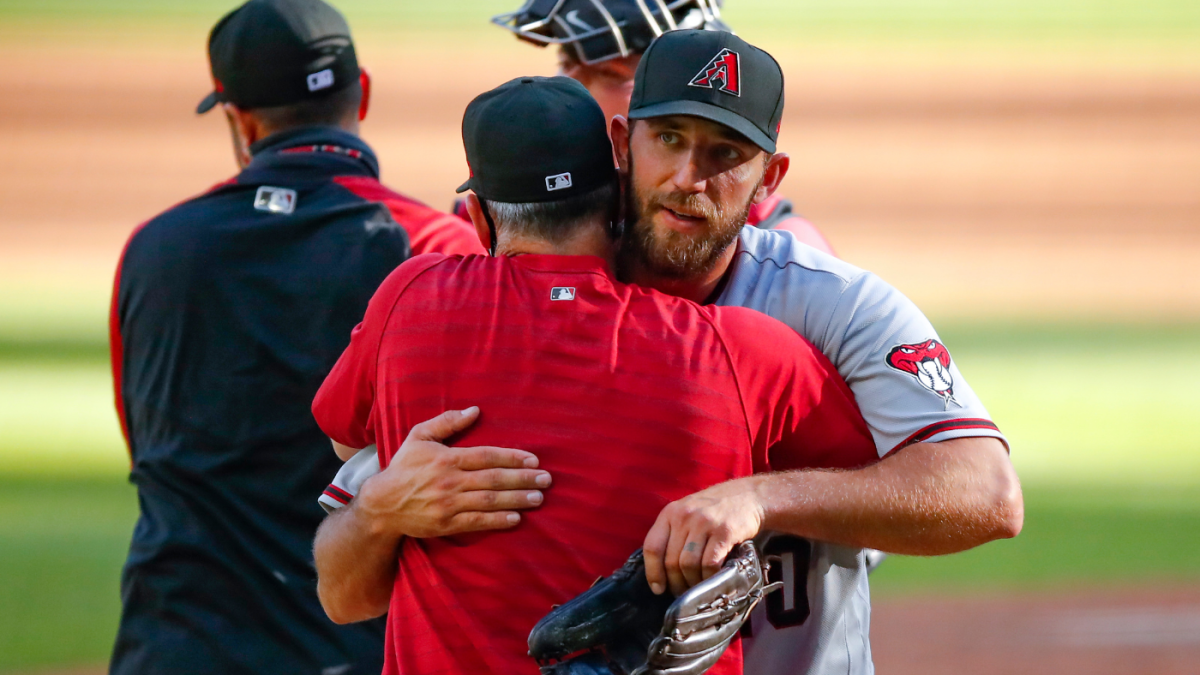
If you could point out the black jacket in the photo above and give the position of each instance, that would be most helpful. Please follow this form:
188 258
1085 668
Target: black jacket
228 312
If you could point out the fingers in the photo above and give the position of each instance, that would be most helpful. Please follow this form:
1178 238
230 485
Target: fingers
654 550
478 521
488 457
505 479
445 425
690 558
675 577
714 555
493 500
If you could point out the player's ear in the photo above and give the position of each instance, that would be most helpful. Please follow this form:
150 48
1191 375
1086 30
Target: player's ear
364 81
773 175
475 211
243 129
619 132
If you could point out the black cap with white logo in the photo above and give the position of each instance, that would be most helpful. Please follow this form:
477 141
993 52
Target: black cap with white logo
536 139
270 53
713 75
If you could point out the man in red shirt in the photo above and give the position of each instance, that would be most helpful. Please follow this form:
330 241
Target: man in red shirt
607 384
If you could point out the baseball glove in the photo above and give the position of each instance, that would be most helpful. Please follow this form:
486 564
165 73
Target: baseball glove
620 627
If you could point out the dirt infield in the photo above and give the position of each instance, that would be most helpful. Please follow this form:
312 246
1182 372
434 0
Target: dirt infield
1099 632
1151 631
979 190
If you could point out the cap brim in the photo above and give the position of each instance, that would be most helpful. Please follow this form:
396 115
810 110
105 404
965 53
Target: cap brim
208 103
464 187
711 113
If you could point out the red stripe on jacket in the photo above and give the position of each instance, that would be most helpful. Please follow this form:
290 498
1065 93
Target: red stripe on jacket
429 230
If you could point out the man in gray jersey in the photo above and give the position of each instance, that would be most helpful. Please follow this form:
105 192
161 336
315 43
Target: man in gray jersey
700 146
699 151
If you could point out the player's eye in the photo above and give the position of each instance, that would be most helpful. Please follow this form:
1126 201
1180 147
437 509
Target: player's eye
729 153
669 137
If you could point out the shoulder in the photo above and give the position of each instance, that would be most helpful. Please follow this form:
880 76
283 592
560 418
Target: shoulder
430 230
749 335
370 189
771 256
417 266
402 206
172 232
818 295
777 213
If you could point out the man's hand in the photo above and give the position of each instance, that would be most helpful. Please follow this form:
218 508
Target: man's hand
925 499
689 541
431 490
428 490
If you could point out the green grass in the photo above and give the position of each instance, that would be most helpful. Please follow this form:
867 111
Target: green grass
1073 537
62 544
1091 404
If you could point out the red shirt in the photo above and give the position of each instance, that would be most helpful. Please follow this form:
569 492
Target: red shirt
630 398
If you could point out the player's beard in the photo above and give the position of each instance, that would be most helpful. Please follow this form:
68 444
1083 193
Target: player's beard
669 254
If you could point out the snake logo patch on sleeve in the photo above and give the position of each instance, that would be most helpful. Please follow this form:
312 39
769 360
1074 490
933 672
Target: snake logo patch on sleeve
929 363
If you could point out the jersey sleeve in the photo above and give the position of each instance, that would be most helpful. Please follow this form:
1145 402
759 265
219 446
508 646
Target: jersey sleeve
349 479
909 386
345 403
800 412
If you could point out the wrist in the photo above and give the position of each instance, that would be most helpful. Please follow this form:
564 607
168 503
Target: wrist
369 508
782 498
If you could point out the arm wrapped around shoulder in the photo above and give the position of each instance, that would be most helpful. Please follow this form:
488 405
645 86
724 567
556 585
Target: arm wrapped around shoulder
620 627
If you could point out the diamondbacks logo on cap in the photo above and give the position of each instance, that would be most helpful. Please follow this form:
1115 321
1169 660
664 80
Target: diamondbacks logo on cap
321 80
562 293
275 200
561 181
726 68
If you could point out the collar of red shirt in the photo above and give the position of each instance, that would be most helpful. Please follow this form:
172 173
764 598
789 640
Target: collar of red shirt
562 263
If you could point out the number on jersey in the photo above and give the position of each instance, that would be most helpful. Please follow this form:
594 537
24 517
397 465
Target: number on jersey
788 606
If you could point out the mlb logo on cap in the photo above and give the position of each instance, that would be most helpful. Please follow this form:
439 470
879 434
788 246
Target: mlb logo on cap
560 182
562 293
321 80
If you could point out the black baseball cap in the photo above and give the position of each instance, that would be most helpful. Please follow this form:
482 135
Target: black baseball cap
713 75
270 53
536 139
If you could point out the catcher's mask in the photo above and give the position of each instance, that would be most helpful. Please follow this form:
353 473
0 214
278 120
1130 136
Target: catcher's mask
600 30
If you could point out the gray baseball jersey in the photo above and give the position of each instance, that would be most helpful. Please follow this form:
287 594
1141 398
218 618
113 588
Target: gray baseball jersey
909 391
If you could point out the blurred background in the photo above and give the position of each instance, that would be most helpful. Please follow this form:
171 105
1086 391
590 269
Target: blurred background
1028 171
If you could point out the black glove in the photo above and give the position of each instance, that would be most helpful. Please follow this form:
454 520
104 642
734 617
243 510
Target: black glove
620 627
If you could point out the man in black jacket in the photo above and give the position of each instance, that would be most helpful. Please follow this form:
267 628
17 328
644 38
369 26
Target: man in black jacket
228 311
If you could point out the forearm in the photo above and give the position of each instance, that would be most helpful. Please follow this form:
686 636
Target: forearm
927 499
356 566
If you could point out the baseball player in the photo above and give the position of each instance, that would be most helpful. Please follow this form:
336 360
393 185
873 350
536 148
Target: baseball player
699 145
605 383
600 43
228 311
701 148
